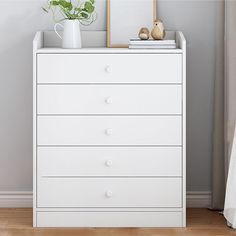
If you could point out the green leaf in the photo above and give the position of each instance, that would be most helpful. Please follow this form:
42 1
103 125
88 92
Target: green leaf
89 7
84 15
65 4
78 9
92 1
54 3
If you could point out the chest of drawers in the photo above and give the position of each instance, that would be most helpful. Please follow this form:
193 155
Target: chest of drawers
109 137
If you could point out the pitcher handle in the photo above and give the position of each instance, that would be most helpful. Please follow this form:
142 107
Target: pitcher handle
55 29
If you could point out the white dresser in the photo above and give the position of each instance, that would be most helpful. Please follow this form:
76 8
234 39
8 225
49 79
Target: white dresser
109 136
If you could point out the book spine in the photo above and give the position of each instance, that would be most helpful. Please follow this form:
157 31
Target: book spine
152 42
152 47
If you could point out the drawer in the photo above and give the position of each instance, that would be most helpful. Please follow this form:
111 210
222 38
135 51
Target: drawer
109 68
109 219
109 192
109 99
109 161
109 130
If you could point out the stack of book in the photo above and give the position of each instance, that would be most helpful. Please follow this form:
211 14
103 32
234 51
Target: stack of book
152 44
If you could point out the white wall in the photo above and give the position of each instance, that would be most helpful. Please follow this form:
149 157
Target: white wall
19 19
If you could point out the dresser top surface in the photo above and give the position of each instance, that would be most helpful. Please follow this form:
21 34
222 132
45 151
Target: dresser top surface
106 51
48 43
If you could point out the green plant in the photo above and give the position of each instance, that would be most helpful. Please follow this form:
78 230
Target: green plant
84 11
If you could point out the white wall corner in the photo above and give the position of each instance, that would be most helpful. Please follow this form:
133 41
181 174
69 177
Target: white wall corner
12 199
198 199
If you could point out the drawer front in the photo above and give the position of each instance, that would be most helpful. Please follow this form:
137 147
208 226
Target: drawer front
109 99
109 192
109 68
109 130
109 161
109 219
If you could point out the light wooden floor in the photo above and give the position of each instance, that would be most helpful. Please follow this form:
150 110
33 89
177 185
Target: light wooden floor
18 222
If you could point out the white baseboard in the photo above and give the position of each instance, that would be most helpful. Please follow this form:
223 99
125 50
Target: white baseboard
12 199
198 199
16 199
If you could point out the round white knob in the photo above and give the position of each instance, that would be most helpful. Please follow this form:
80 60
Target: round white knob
109 132
109 193
109 163
108 100
108 69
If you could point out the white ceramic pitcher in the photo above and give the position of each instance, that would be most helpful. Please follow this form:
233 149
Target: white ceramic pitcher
71 37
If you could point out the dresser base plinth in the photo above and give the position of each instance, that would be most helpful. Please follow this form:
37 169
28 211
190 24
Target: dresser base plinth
110 219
